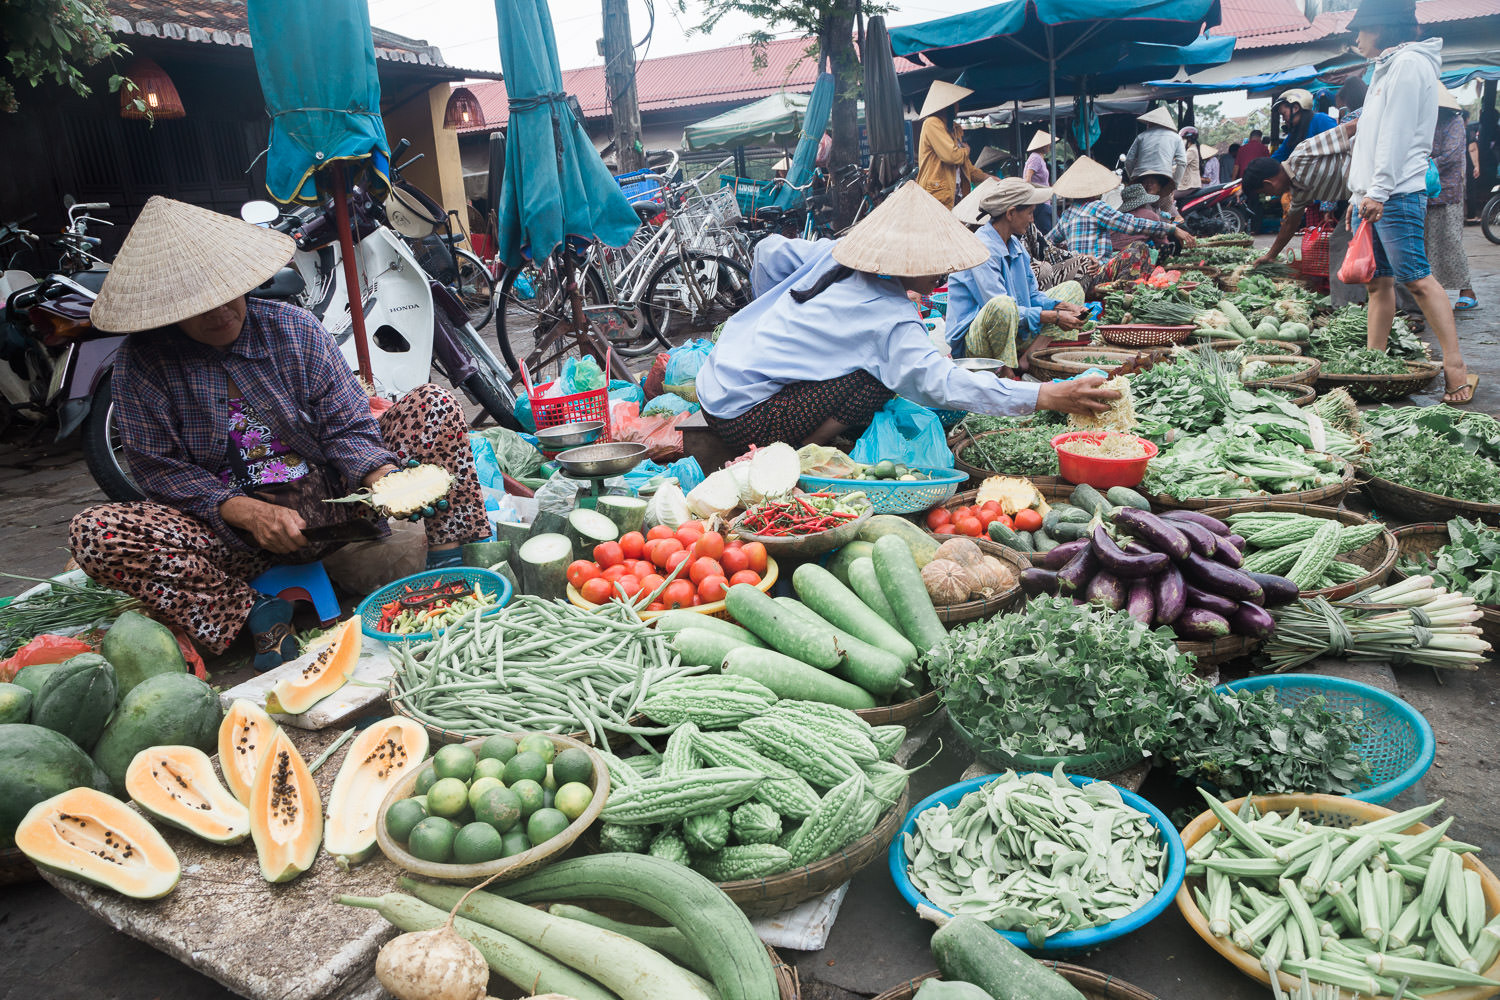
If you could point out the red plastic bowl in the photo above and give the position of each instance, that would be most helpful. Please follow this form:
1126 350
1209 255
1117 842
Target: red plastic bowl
1101 473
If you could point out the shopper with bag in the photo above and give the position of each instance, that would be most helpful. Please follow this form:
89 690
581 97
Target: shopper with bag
1388 179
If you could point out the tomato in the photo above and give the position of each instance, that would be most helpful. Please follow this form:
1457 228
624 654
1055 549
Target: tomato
756 553
677 559
734 560
711 588
679 594
608 554
1027 520
660 531
581 571
745 576
597 591
640 568
704 567
970 526
945 529
665 549
992 508
656 606
612 574
985 517
710 546
651 581
697 601
1006 520
689 533
631 585
632 543
938 516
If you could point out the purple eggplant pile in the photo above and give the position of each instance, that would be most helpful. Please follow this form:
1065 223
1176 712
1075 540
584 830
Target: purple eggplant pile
1179 569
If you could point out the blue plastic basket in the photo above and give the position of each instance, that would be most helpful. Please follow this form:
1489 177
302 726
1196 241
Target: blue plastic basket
369 608
950 418
1068 941
893 496
642 187
1400 746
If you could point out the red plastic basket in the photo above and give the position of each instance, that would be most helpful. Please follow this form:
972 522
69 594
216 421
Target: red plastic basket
554 410
1100 473
1315 252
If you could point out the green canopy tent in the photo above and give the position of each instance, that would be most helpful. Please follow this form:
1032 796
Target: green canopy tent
770 121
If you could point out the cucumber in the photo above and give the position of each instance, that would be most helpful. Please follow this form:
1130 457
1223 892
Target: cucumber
922 545
668 940
840 560
842 608
1067 531
700 647
791 678
872 668
901 582
1027 542
1043 542
1089 499
968 951
1062 512
1006 536
863 581
677 619
757 612
1124 496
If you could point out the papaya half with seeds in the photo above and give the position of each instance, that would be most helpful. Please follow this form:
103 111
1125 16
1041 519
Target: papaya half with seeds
85 834
286 814
177 785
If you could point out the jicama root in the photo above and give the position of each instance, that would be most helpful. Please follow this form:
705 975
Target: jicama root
432 965
407 493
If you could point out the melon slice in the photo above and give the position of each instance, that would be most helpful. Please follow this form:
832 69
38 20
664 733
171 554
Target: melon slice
177 785
377 759
330 663
286 815
86 834
244 737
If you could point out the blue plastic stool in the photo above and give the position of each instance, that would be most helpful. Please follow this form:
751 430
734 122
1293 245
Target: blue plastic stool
301 582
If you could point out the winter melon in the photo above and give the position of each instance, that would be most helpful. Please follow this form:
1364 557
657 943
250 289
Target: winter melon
77 699
178 786
15 703
139 647
86 834
377 759
244 737
322 673
286 814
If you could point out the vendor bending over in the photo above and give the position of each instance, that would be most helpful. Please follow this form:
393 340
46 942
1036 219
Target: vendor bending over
820 353
996 310
239 417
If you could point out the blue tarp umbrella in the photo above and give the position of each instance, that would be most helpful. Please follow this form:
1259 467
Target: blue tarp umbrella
814 124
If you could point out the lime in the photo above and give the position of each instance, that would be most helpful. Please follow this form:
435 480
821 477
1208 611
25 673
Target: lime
885 469
501 748
573 764
479 786
432 840
523 765
488 767
539 744
499 807
476 843
531 794
573 798
447 797
402 816
454 761
514 843
545 824
424 780
422 801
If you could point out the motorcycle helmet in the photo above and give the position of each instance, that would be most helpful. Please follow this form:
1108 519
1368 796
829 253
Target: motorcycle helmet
1297 97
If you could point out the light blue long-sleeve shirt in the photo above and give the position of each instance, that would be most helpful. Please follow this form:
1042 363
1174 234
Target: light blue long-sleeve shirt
862 322
1007 272
776 258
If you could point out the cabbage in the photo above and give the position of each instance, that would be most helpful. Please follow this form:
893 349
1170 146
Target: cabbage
718 494
774 472
668 507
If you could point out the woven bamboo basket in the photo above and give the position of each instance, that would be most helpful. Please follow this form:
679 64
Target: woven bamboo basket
1042 365
1276 348
1377 556
1052 489
978 473
16 867
1209 656
968 611
1327 496
902 713
1297 395
1381 388
1416 541
786 977
1299 370
1418 505
1093 985
1144 334
1074 360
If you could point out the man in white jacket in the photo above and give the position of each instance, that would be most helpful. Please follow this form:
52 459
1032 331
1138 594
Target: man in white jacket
1388 177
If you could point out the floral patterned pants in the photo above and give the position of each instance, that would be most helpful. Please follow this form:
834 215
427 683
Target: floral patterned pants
799 409
192 579
995 330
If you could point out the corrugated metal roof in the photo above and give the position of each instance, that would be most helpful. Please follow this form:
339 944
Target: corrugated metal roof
1258 24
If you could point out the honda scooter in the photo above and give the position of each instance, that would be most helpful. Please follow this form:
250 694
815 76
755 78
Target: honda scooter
1216 208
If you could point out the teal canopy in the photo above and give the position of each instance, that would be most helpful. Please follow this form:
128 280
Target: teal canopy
316 63
555 185
770 121
1098 69
804 160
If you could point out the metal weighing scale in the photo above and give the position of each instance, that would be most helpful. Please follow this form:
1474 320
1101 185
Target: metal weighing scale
598 462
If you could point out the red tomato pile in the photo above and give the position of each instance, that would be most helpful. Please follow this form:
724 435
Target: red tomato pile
975 521
640 564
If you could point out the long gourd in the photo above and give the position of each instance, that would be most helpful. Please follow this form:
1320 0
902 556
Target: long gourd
791 678
870 667
627 967
901 582
968 950
821 591
668 940
782 631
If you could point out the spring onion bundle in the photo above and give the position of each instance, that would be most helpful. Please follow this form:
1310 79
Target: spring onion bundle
63 608
1411 622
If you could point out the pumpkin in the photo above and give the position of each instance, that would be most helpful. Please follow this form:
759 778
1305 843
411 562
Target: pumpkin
177 785
987 583
377 759
964 551
319 674
85 834
286 814
1008 578
947 582
244 737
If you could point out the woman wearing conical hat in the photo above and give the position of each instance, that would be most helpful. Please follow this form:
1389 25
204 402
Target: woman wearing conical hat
1157 158
942 155
238 416
820 353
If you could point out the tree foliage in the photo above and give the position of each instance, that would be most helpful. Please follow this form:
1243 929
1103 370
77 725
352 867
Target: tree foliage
54 40
1214 129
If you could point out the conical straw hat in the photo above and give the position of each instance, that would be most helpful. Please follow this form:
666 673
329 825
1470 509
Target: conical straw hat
940 95
1086 178
179 260
967 211
911 235
1158 116
1041 140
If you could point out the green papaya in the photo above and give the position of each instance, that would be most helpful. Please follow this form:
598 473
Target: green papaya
175 709
33 677
139 648
15 703
36 764
77 699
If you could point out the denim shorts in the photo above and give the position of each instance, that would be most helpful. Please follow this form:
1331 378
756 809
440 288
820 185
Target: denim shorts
1400 243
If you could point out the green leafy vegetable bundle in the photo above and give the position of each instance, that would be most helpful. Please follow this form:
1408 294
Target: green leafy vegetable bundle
1144 304
1361 361
1469 563
1476 433
1025 451
978 423
1433 465
1346 329
1215 464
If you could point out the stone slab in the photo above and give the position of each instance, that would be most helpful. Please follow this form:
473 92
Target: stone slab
366 689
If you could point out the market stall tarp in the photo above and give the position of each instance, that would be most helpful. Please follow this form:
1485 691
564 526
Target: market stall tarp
1098 69
555 184
885 123
771 121
819 108
1278 81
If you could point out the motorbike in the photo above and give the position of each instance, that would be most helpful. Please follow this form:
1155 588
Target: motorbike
1216 208
1489 219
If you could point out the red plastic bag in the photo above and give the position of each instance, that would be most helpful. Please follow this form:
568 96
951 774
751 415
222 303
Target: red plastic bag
42 649
656 377
659 434
1358 267
190 654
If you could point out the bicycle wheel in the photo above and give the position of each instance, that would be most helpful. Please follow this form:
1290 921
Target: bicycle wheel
528 309
476 289
694 291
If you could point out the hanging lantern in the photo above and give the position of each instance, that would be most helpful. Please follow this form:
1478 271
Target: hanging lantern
154 89
463 110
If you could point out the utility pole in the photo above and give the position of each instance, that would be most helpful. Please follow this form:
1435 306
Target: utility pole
619 79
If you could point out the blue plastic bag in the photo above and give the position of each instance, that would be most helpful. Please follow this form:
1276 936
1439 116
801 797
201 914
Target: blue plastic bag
687 472
579 375
667 404
907 433
683 363
621 391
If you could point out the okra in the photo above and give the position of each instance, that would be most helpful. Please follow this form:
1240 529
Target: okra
1218 903
1421 971
1238 828
1474 896
1488 947
1275 951
1449 946
1317 871
1333 973
1352 857
1435 885
1455 898
1406 924
1370 924
1268 920
1396 822
1303 916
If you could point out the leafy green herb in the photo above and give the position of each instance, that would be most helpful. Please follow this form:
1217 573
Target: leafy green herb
1469 563
1361 361
1025 451
62 607
978 423
1435 466
1346 329
1476 433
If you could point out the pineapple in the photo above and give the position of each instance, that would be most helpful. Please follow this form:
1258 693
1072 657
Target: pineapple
411 493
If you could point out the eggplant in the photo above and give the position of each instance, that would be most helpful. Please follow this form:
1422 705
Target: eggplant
1225 581
1106 589
1120 563
1135 548
1238 541
1253 621
1201 625
1057 557
1203 541
1156 533
1213 524
1140 602
1072 577
1170 596
1036 581
1278 589
1230 554
1200 598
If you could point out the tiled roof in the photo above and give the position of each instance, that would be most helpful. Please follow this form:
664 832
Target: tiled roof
1258 24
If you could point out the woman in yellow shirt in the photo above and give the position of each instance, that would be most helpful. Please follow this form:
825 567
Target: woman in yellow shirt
941 152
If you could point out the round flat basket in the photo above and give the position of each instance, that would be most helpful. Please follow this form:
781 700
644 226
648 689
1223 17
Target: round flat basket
1418 505
1399 747
1042 365
1419 541
977 473
988 607
369 609
1276 348
1323 810
1328 496
1100 764
1209 656
1093 985
1297 395
802 547
1144 334
893 496
717 609
1287 369
1377 556
1052 489
1380 388
901 713
1077 360
506 868
439 735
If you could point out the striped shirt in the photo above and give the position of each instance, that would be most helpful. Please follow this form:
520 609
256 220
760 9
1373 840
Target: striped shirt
1319 168
1086 228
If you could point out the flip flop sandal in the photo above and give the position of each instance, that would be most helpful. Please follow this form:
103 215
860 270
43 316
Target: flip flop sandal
1465 303
275 646
1472 384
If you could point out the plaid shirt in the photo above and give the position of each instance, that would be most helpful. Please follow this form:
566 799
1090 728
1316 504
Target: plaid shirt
1319 169
172 395
1085 229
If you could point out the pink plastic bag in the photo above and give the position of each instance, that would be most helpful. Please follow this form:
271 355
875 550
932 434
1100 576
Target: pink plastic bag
1358 267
